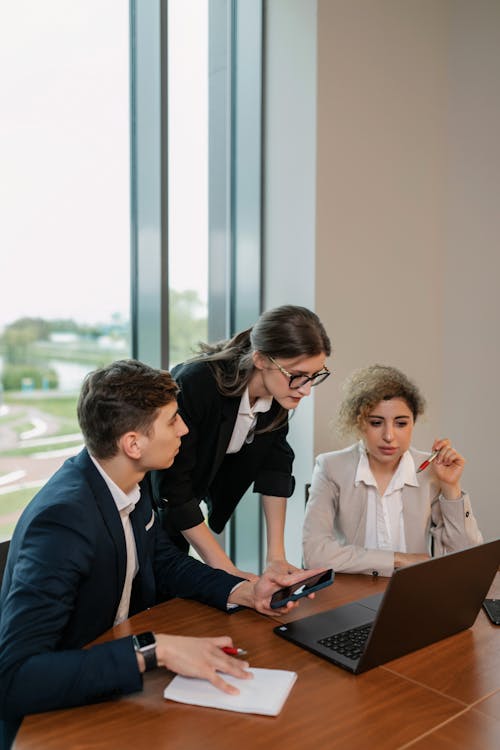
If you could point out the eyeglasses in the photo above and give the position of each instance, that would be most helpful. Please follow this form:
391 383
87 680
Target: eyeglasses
298 381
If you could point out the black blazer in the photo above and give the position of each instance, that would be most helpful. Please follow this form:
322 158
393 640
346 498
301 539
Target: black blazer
62 586
203 470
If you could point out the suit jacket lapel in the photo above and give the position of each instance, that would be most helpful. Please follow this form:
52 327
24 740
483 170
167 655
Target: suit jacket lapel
144 586
413 507
229 414
140 518
110 516
355 520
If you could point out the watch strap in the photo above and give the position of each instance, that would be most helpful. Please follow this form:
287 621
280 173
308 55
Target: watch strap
150 658
148 650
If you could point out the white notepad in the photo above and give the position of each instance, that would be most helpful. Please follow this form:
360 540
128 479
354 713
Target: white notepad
265 694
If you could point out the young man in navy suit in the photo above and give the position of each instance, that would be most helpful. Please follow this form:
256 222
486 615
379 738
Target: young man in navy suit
88 552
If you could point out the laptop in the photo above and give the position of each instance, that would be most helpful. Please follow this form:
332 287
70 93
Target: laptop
422 604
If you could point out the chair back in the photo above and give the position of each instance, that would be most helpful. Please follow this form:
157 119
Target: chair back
4 548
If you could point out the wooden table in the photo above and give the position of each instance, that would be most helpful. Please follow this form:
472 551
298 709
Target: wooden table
444 696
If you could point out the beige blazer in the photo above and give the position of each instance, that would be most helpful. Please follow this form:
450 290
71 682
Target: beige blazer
335 520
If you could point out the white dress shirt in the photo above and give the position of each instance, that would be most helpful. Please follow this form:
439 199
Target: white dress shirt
246 421
125 503
384 516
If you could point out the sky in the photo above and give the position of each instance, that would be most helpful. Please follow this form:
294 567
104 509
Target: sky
64 158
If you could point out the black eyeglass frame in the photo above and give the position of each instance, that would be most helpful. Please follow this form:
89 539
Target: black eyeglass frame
316 379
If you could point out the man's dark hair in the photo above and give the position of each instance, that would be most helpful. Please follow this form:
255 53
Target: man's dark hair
124 396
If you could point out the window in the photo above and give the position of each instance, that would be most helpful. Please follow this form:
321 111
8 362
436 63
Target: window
188 79
130 208
64 224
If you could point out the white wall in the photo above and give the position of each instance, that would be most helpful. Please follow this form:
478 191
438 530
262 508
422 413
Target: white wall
381 209
408 216
471 293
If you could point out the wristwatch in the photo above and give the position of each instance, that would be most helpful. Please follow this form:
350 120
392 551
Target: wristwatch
145 644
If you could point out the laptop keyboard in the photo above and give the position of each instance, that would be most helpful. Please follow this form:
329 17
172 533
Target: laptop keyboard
349 643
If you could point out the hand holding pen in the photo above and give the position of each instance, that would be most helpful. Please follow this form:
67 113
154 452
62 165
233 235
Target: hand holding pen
232 651
427 461
448 466
206 658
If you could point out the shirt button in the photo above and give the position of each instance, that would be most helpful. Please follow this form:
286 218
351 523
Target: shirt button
467 514
374 573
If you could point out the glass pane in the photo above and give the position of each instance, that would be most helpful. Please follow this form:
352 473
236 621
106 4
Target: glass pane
187 175
64 226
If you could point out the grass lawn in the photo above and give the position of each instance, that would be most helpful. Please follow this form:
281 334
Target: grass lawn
13 502
63 409
16 500
64 406
28 451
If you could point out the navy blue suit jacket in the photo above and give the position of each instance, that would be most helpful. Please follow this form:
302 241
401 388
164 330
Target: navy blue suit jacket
62 586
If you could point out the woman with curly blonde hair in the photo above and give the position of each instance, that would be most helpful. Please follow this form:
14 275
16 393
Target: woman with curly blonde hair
370 510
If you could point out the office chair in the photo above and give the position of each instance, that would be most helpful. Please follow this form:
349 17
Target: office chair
308 488
4 548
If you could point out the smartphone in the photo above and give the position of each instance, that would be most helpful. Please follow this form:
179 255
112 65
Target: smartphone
301 588
492 609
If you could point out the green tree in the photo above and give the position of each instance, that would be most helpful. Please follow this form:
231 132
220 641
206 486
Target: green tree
18 343
15 377
188 324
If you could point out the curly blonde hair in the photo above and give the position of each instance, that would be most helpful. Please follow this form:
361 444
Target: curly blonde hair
365 388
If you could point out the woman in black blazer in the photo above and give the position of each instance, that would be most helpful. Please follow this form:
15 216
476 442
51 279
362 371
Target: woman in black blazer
235 397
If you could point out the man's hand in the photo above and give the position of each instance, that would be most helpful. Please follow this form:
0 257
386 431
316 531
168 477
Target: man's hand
258 594
201 657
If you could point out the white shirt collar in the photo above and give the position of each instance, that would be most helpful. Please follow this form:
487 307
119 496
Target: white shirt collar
122 499
261 405
404 474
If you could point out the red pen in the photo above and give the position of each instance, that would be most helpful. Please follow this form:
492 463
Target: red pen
427 461
234 651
